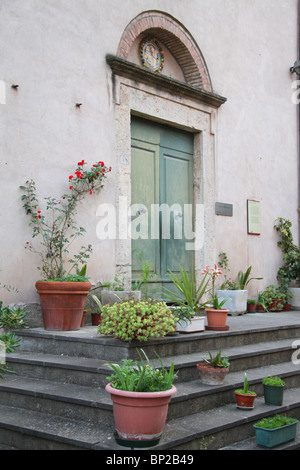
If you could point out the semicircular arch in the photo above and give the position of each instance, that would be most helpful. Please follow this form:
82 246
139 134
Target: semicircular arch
176 38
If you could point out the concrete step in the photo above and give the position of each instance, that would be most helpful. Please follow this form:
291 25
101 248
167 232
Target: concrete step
57 398
213 429
93 372
93 404
244 330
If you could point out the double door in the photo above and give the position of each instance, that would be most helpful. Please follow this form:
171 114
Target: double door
161 201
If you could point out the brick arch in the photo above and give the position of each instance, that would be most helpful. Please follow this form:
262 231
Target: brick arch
178 41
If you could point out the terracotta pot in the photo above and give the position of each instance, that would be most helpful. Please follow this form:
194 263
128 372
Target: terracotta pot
212 375
275 305
260 308
244 401
287 307
96 319
251 307
62 304
216 319
140 416
83 318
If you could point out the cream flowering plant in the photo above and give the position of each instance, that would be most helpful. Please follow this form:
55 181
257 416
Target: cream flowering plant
55 226
214 273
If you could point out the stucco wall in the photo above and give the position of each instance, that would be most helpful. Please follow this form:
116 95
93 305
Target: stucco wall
55 51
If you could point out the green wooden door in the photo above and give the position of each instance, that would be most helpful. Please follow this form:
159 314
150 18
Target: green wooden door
161 186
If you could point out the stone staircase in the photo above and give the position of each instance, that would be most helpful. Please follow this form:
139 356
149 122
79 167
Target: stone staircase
56 400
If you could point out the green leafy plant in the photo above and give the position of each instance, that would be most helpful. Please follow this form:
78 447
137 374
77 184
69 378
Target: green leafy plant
228 283
243 278
218 361
146 275
130 320
12 317
275 422
273 293
55 226
273 381
251 301
245 390
141 376
291 252
188 296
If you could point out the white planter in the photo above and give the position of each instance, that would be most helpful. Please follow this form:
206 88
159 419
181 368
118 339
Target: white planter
295 301
236 301
196 324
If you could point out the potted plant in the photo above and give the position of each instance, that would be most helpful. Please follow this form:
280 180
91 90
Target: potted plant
10 318
188 300
273 298
214 370
62 294
140 394
251 305
130 320
261 303
291 259
215 314
245 397
273 431
283 282
235 292
273 390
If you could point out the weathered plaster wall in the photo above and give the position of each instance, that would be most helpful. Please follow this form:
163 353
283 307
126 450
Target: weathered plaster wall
55 51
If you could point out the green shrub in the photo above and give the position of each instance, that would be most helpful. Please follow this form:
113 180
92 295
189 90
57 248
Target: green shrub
135 376
130 320
275 422
274 381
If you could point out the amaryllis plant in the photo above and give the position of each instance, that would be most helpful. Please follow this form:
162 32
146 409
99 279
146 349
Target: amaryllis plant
55 225
214 273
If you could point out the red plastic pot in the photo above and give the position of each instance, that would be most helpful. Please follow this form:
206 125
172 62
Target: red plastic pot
245 401
140 416
62 303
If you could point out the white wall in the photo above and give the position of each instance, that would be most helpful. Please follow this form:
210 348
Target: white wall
55 51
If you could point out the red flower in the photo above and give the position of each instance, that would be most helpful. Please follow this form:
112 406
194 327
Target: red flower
70 177
101 163
91 192
70 187
81 163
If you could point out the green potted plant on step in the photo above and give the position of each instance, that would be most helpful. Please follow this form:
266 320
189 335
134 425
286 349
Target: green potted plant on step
245 397
215 313
214 370
273 431
62 294
273 298
140 393
273 390
187 300
235 291
251 305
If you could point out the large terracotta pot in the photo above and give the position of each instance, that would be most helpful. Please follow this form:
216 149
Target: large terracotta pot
62 303
212 375
216 319
140 416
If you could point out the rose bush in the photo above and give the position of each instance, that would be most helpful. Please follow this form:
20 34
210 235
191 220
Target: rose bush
55 226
